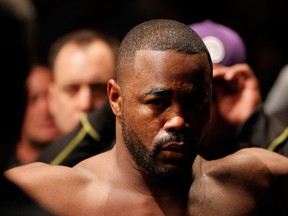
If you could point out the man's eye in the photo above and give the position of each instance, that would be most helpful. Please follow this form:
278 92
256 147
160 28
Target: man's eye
71 89
99 87
198 102
158 102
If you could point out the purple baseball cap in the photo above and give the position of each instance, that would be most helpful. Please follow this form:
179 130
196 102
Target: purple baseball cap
225 45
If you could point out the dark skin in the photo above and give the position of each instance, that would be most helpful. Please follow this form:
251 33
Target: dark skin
252 181
164 115
168 106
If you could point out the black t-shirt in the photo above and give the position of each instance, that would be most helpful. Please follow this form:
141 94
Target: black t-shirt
265 131
94 134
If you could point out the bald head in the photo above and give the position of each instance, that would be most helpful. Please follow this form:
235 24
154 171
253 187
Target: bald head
158 35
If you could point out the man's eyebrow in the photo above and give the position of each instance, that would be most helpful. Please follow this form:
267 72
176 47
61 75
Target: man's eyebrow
158 91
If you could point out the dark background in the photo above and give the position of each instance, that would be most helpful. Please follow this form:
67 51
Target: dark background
261 23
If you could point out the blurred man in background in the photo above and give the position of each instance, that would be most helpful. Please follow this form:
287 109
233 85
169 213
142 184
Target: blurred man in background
82 62
38 129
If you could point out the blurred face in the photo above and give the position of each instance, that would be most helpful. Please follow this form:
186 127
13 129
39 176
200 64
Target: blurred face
80 81
39 127
165 113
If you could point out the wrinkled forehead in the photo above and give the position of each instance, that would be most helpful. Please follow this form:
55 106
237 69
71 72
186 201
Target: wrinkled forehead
170 65
169 69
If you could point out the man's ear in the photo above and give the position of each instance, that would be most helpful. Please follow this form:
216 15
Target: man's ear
115 97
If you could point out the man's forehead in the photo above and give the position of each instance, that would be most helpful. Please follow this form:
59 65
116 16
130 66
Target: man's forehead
156 68
152 54
170 62
170 56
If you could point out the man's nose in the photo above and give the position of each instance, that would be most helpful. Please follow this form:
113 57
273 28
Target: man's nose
86 99
176 122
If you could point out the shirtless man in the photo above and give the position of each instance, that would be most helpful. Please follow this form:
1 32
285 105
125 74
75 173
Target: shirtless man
161 98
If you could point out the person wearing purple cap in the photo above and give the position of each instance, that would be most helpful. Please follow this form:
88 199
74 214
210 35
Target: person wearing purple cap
225 45
238 116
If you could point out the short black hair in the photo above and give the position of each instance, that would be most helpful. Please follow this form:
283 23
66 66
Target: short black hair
161 35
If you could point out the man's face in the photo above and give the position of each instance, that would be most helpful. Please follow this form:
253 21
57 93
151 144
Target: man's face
39 127
166 110
80 81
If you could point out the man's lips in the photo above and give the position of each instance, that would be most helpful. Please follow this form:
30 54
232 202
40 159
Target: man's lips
176 147
175 150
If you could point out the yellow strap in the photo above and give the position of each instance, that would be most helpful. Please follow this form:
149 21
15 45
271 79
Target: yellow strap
276 142
86 128
89 128
69 148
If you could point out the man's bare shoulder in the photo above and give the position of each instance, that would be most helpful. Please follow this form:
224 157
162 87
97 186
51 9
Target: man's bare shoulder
38 174
35 169
277 164
250 175
247 161
41 173
58 188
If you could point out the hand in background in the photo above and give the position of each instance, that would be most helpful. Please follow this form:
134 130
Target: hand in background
236 92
